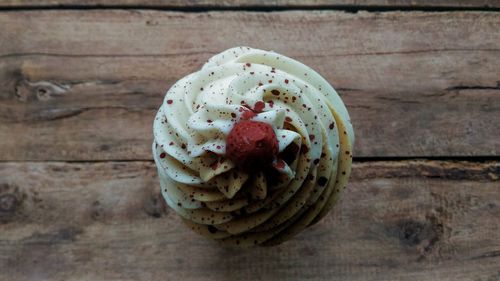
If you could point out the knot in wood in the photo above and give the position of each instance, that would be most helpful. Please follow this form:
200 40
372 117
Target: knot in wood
411 232
8 203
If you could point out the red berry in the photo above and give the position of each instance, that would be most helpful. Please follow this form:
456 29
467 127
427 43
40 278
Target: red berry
252 145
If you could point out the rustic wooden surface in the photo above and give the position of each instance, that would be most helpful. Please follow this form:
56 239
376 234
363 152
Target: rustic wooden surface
410 220
85 85
256 3
79 89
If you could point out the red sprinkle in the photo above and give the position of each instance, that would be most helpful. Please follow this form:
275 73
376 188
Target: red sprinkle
311 137
170 101
259 106
163 154
286 81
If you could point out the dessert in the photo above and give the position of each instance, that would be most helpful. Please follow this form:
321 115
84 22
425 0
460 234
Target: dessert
252 148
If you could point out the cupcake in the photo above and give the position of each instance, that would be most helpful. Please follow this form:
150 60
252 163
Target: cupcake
253 148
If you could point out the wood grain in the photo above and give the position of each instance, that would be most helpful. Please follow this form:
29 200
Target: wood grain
409 220
85 85
255 3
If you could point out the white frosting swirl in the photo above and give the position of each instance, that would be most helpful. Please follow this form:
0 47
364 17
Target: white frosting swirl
212 195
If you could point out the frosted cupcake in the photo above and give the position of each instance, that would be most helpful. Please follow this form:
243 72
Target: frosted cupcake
253 148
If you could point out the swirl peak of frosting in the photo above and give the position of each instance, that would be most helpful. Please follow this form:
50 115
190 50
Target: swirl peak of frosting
200 173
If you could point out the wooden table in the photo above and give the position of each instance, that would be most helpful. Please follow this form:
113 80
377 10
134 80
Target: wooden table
80 82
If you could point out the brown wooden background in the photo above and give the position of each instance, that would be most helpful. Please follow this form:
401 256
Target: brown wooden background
80 82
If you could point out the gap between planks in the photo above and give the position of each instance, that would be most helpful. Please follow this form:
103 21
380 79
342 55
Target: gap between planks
346 8
382 159
259 5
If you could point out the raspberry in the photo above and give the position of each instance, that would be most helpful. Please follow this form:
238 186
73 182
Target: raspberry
252 145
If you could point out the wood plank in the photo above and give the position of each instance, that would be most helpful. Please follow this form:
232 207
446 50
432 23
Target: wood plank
85 85
409 220
255 3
